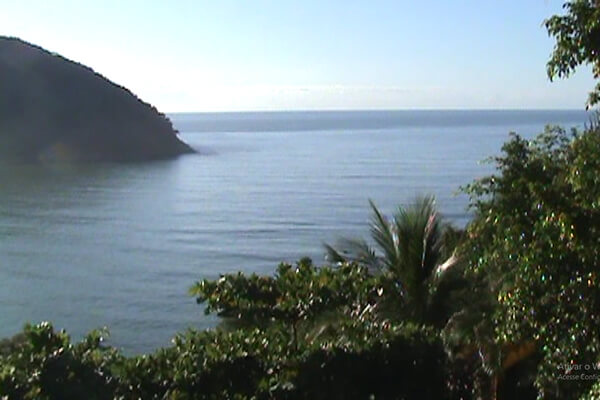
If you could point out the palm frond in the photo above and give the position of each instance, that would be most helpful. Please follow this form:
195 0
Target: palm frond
411 248
332 255
383 236
353 250
418 230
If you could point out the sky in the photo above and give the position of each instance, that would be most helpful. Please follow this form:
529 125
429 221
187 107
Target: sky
259 55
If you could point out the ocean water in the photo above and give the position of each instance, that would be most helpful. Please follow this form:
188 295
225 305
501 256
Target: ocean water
118 245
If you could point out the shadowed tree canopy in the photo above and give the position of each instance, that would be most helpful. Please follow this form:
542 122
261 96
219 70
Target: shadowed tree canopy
53 109
577 35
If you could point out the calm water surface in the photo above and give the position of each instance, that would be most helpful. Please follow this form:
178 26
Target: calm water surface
87 246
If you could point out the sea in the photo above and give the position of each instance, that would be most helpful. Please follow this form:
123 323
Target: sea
118 245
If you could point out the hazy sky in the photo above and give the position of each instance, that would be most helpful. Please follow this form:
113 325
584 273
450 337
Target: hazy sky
322 54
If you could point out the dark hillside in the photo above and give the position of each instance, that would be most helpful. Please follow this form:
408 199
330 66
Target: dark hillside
54 109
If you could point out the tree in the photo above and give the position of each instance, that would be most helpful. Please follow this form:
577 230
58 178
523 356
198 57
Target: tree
41 363
415 249
535 238
577 35
357 353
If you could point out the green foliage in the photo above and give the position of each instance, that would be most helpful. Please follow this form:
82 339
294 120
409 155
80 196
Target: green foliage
46 365
577 35
411 247
305 299
208 365
9 345
535 239
408 246
593 394
375 360
293 294
363 359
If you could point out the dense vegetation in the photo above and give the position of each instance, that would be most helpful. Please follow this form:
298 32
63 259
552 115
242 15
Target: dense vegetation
508 308
52 109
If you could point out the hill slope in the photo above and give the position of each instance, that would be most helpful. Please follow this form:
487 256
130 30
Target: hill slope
54 109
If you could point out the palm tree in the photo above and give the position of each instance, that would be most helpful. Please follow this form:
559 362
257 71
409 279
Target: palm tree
415 248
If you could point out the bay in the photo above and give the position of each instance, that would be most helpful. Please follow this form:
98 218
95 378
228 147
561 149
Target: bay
118 245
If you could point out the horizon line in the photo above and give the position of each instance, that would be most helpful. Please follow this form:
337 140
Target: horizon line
350 110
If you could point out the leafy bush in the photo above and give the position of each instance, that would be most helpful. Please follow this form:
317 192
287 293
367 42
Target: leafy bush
353 352
536 240
44 364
